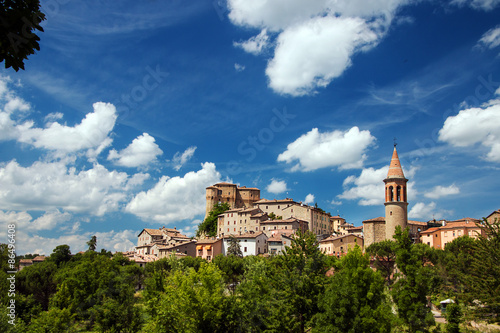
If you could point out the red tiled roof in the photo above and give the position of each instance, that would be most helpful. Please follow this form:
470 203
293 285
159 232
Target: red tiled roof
376 219
395 170
429 231
417 223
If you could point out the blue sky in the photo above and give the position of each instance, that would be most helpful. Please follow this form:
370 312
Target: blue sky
130 110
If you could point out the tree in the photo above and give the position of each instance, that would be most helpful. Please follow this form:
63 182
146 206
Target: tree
191 302
61 254
234 247
354 300
19 19
232 267
484 280
92 243
384 254
209 225
412 284
453 318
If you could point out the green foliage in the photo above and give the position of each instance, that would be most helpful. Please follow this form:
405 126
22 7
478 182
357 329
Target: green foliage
234 248
453 318
92 243
484 279
232 267
52 321
191 302
384 254
38 281
93 285
209 225
413 283
19 21
60 255
354 300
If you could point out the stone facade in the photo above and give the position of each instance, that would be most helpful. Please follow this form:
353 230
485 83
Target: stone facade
374 230
235 196
338 246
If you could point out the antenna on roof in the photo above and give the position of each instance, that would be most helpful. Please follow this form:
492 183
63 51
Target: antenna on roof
395 142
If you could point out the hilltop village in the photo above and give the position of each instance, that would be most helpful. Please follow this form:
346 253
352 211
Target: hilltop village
267 227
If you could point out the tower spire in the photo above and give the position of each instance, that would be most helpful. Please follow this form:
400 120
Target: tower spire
395 170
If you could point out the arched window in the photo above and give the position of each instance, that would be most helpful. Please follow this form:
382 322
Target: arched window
391 193
398 193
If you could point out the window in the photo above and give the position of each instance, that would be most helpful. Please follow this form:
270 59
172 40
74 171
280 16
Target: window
263 228
245 249
428 243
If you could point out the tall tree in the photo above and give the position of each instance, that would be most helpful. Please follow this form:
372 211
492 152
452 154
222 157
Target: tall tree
209 226
19 20
484 280
354 300
92 243
412 285
384 254
234 247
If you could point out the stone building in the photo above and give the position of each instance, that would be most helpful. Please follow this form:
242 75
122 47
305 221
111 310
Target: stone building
396 206
340 245
234 195
239 221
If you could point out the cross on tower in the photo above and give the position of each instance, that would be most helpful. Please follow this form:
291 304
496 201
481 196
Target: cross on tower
395 143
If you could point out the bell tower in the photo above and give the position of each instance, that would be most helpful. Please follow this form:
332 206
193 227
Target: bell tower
396 200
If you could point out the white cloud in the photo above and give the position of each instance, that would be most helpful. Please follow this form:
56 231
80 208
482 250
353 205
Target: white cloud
309 199
475 125
312 54
175 199
491 38
316 38
368 188
276 186
485 5
442 191
180 159
428 211
29 242
422 210
50 186
255 44
142 151
315 150
239 68
11 106
92 132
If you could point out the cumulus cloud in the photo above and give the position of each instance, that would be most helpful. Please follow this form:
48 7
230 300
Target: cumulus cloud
315 150
491 38
368 187
428 211
49 186
311 55
92 132
142 151
276 186
180 159
255 44
11 108
475 125
175 199
28 241
442 191
316 39
309 199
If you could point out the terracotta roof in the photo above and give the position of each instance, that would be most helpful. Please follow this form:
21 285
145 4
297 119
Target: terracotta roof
377 219
207 241
39 258
225 184
429 231
395 170
26 261
247 188
336 217
495 212
246 235
417 223
332 238
288 200
170 247
355 228
152 232
465 219
459 225
290 220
